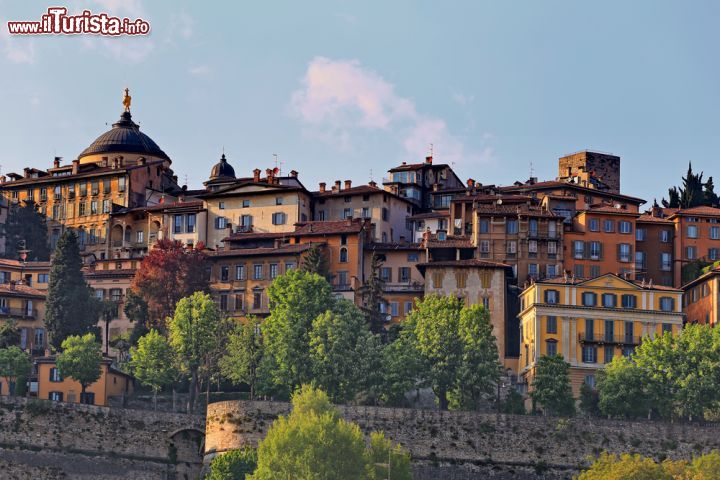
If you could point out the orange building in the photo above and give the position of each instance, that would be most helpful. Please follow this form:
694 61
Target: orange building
52 386
654 249
702 298
697 237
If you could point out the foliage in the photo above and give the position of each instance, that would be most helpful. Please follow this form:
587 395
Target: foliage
314 442
192 335
25 229
152 362
551 386
693 269
316 261
372 293
622 390
14 364
635 467
136 310
343 352
169 272
514 403
80 359
693 193
244 355
71 307
589 400
403 370
9 334
233 465
296 299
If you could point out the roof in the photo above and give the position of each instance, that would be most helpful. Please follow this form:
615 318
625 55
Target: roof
121 272
20 290
5 262
354 225
222 169
177 205
359 190
263 251
609 209
105 361
712 273
581 281
513 210
699 210
417 166
392 246
86 170
245 236
124 137
451 242
550 184
241 182
470 263
647 218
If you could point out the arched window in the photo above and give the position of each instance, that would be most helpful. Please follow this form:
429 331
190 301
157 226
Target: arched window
343 255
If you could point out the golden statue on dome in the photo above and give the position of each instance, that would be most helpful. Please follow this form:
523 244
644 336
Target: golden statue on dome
127 99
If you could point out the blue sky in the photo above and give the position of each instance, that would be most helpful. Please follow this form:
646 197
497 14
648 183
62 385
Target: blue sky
340 89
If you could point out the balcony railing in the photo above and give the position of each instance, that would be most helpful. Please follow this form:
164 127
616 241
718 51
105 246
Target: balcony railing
18 312
609 339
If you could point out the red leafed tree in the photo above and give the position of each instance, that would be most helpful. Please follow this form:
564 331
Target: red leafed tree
168 273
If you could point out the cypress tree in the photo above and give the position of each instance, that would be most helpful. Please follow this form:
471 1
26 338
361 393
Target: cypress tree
72 309
316 261
26 226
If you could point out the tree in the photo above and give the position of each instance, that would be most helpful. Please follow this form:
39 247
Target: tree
244 355
316 261
343 352
14 364
372 293
673 200
622 390
233 465
153 363
480 368
625 467
694 192
71 307
514 403
296 299
80 359
314 442
403 369
710 198
136 310
192 335
9 334
589 400
168 273
551 386
25 229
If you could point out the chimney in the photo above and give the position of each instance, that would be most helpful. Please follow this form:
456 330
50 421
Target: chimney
75 166
322 187
26 172
336 188
428 159
372 183
470 183
348 184
269 175
256 175
3 178
293 173
56 162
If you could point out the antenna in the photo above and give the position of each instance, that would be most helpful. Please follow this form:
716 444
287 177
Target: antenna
223 149
432 150
186 179
371 175
532 170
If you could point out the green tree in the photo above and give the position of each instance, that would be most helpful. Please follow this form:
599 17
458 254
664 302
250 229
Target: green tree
80 359
136 310
385 460
26 229
514 403
403 369
622 390
480 368
343 352
316 261
236 464
296 299
244 355
192 335
551 386
625 467
14 364
153 363
710 198
372 293
9 334
71 307
589 400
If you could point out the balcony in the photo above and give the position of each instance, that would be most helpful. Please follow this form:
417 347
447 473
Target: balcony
537 235
609 339
401 287
18 312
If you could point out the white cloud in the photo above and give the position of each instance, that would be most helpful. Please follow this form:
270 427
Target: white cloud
199 70
16 48
339 97
463 100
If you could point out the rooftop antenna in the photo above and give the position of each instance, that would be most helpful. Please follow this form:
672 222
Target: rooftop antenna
371 175
223 149
186 179
432 150
532 170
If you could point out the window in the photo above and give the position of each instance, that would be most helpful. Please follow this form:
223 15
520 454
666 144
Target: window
552 296
321 215
81 209
715 233
247 220
639 261
511 227
533 226
106 206
239 272
223 302
595 250
629 301
43 194
273 271
714 254
578 249
257 272
666 328
460 279
121 184
590 381
667 304
579 271
221 205
94 187
413 257
87 398
609 330
608 226
278 218
385 214
665 236
589 299
609 300
343 255
56 396
625 227
665 262
609 353
55 375
640 234
289 266
245 203
342 279
594 225
512 247
394 309
532 246
484 225
533 270
178 224
624 252
589 329
408 307
485 247
42 278
551 324
190 223
220 223
629 330
386 274
627 351
106 186
365 212
93 207
589 354
551 348
552 248
347 213
140 236
437 279
691 253
240 300
257 299
224 273
404 274
692 231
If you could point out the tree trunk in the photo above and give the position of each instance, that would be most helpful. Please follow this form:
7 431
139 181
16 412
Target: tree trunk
82 393
173 400
442 397
193 390
252 391
155 399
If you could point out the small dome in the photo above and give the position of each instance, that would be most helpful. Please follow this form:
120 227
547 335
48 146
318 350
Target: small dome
124 137
222 170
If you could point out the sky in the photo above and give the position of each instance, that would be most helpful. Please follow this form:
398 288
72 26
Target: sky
347 90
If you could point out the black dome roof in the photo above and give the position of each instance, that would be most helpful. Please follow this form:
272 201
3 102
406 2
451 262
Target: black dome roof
222 169
124 137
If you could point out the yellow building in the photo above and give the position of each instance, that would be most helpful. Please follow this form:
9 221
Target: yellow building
52 386
25 306
589 322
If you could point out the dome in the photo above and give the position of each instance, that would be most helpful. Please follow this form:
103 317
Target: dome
222 169
124 137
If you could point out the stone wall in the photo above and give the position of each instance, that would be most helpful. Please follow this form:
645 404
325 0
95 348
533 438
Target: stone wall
42 439
468 445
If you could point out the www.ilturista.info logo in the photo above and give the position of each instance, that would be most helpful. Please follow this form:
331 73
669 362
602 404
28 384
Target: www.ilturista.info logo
58 22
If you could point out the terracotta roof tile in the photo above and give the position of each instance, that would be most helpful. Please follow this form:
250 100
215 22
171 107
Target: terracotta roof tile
260 251
354 225
20 290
